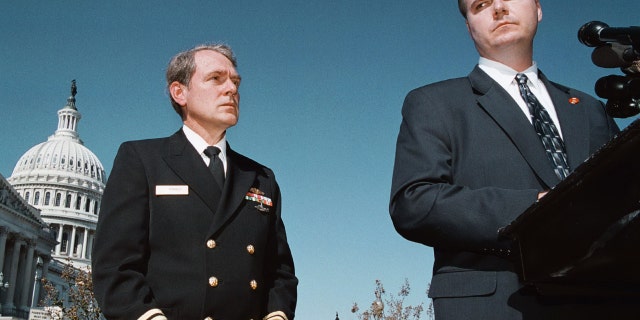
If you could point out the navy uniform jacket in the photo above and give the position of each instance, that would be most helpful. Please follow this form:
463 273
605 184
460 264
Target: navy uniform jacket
165 241
468 162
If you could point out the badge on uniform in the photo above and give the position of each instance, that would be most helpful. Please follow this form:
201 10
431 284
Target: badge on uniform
256 195
172 190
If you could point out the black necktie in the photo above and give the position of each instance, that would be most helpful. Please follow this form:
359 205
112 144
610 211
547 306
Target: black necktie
215 165
545 129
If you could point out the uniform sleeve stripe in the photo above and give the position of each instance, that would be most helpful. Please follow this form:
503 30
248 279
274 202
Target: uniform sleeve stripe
276 315
155 314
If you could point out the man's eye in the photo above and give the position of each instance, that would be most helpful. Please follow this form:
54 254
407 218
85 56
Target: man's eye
481 5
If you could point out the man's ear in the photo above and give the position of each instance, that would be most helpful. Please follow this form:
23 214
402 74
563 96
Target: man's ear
178 93
539 10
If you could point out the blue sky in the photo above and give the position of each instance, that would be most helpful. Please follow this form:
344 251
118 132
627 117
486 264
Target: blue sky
323 84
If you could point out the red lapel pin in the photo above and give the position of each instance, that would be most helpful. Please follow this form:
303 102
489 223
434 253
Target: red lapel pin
574 100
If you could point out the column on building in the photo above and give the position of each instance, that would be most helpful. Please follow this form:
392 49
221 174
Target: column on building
85 241
15 261
38 291
72 241
27 279
4 232
92 235
59 245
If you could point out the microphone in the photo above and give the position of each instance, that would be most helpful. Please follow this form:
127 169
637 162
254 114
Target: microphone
622 108
597 33
618 87
614 55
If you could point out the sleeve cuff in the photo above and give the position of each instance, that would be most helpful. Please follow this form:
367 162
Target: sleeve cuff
153 314
276 315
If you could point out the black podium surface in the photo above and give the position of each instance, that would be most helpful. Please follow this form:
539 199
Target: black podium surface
583 237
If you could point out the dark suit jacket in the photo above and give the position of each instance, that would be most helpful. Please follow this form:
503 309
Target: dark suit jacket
468 162
153 249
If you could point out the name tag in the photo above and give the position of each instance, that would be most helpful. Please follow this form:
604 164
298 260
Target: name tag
172 190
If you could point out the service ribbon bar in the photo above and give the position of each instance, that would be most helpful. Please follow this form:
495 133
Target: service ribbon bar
259 199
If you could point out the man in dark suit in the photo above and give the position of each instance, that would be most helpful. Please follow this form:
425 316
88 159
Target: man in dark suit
187 231
469 161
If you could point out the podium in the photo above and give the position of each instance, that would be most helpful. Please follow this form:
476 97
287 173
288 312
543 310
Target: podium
583 237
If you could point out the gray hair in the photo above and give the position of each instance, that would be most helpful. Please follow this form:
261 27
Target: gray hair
463 8
183 65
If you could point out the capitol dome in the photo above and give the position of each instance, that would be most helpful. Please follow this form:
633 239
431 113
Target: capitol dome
65 180
60 155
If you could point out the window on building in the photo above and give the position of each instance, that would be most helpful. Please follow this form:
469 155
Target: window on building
26 196
47 198
64 243
58 199
36 200
75 248
78 201
67 202
87 205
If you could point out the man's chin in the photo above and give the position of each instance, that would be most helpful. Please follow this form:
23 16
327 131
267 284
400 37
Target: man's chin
232 121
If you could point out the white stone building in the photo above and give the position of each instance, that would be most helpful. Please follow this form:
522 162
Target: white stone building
65 180
25 252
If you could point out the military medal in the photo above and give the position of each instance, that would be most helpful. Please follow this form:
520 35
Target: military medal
256 195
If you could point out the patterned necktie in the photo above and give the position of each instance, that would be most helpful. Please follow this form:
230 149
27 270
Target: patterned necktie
545 128
215 165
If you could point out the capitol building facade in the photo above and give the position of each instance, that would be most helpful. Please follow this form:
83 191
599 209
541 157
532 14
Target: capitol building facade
65 180
49 209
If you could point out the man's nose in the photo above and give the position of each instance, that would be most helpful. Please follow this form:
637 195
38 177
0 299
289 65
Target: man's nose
499 7
230 87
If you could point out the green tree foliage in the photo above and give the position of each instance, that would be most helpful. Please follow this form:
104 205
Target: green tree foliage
391 307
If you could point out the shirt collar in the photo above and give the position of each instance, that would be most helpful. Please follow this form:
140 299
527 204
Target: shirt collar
200 145
506 75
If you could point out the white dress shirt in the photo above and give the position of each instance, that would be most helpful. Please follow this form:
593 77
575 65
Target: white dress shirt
198 142
506 78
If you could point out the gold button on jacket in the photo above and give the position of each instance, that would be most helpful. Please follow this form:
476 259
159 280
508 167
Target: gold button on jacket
213 281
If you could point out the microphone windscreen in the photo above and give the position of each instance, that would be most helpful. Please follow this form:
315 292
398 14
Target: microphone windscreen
589 33
610 55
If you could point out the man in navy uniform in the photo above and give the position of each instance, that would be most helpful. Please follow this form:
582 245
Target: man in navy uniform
188 228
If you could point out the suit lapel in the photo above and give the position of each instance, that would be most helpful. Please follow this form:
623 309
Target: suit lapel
506 113
237 183
184 160
573 122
